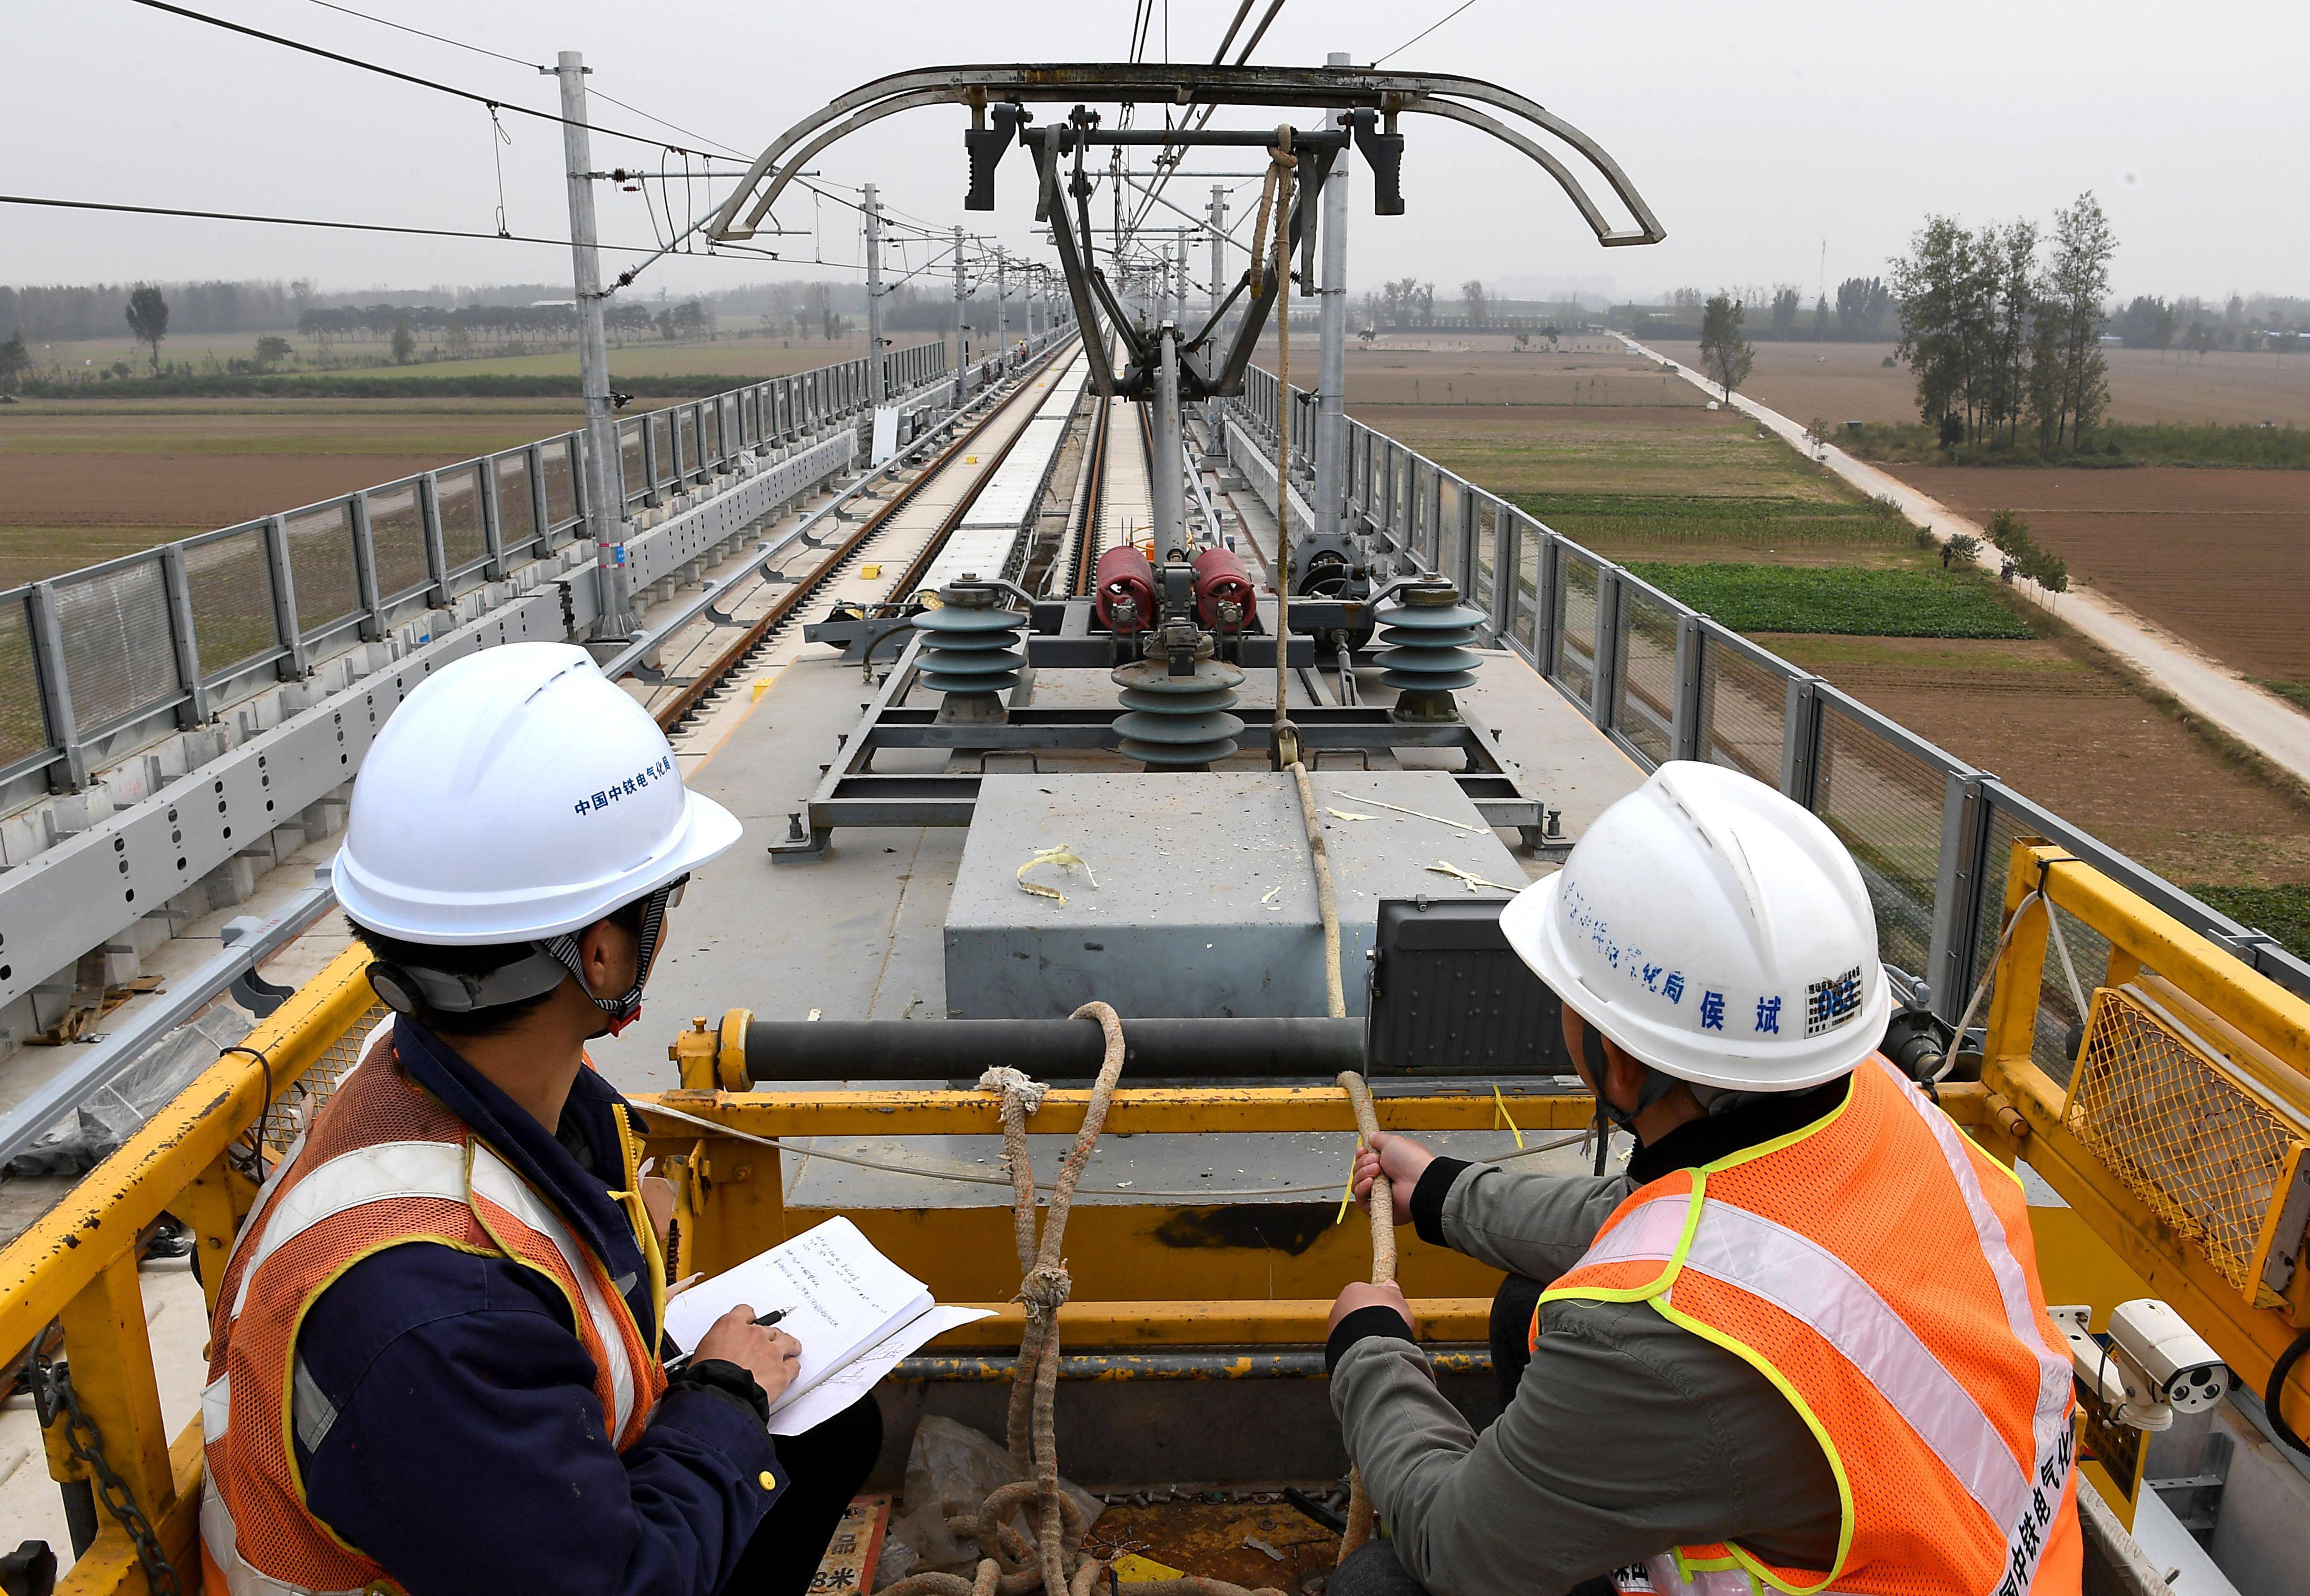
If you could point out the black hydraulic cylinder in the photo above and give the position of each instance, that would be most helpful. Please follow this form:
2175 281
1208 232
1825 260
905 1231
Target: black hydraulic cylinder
782 1050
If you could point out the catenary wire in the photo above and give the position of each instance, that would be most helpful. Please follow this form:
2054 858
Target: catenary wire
355 61
1424 32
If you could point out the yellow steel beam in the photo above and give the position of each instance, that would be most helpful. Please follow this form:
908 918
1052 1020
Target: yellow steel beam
1178 1111
113 1378
56 1258
110 1567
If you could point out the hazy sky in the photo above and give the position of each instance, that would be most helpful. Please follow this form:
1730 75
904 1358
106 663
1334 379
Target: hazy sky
1757 133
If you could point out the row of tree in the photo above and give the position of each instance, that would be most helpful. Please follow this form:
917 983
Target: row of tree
1996 337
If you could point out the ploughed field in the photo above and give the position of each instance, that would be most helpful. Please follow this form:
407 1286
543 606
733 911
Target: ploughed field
1702 505
2222 557
1850 382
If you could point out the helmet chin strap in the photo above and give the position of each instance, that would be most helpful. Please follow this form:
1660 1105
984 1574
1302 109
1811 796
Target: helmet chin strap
621 1011
1656 1086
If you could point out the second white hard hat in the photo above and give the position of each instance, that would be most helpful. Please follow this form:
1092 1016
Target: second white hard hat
516 795
1714 930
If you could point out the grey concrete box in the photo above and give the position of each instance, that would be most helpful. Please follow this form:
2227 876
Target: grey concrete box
1205 902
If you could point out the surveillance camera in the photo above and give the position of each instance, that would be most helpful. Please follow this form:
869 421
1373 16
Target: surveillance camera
2184 1371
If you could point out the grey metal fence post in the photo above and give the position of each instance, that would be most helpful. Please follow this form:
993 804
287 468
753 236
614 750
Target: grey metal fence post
1465 500
650 463
492 526
1956 893
1604 675
284 598
1545 641
1506 535
195 710
1800 739
365 571
543 518
1690 640
437 553
56 691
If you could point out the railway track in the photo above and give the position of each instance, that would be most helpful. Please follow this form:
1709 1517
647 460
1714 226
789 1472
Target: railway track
760 633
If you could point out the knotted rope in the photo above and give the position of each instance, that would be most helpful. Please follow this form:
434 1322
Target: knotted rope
1381 1205
1008 1565
1275 204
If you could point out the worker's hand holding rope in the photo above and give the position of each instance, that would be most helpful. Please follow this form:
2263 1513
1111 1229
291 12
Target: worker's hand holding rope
1399 1159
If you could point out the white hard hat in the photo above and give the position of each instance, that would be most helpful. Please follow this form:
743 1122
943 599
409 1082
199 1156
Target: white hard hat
516 795
1716 930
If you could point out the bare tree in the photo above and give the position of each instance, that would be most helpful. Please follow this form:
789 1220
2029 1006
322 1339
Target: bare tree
148 319
1725 354
1472 292
2077 287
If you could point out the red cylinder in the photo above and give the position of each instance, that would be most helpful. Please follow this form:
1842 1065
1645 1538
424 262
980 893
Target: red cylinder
1220 578
1124 584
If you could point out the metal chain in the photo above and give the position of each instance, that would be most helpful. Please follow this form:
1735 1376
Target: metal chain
53 1395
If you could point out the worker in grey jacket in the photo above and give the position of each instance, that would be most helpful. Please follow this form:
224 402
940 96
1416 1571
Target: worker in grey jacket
1799 1340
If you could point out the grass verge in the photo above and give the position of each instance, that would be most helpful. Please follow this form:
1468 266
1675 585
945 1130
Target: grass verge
1839 600
2284 912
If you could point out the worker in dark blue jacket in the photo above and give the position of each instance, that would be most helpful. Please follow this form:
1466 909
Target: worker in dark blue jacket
437 1357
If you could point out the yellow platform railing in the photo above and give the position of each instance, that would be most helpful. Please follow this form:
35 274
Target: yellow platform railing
1156 1271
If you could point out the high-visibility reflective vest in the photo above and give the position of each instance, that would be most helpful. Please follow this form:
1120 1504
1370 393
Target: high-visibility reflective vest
385 1164
1877 1268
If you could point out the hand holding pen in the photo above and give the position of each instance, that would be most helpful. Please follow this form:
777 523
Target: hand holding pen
752 1343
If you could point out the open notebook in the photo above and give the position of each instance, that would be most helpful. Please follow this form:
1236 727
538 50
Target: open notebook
854 1312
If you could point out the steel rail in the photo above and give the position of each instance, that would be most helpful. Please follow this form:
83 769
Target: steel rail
1086 552
782 609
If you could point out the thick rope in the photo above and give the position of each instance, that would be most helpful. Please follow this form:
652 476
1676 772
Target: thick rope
1327 903
1381 1205
1275 203
1055 1562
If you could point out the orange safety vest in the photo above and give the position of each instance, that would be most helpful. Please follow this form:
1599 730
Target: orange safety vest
385 1164
1877 1268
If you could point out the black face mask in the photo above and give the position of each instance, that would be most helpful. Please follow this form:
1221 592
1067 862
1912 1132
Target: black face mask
403 988
1609 1114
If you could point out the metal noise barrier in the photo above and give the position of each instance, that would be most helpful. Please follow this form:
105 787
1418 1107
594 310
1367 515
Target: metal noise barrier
790 1050
2163 1108
1178 723
1425 640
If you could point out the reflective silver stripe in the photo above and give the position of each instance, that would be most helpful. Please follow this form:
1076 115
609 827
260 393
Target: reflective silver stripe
222 1546
1658 1575
1647 1234
1816 1288
216 1408
310 1407
501 1185
390 1169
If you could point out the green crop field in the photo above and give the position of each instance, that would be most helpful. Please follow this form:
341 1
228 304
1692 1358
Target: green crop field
1778 529
1839 600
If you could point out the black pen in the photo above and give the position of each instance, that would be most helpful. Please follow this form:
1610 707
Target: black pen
772 1317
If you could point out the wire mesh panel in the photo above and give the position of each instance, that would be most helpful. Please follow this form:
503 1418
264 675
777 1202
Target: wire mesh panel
321 565
685 432
2157 1105
559 461
458 499
517 509
661 426
1531 544
1487 537
1574 668
1884 802
119 657
1644 695
1743 712
633 462
397 538
24 727
230 584
749 416
1449 527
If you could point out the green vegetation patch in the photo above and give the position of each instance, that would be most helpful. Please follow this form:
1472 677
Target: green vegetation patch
2284 912
2111 444
1755 522
1848 600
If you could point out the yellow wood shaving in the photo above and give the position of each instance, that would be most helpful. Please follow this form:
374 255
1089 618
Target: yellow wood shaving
1475 883
1272 892
1341 814
1422 815
1064 857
